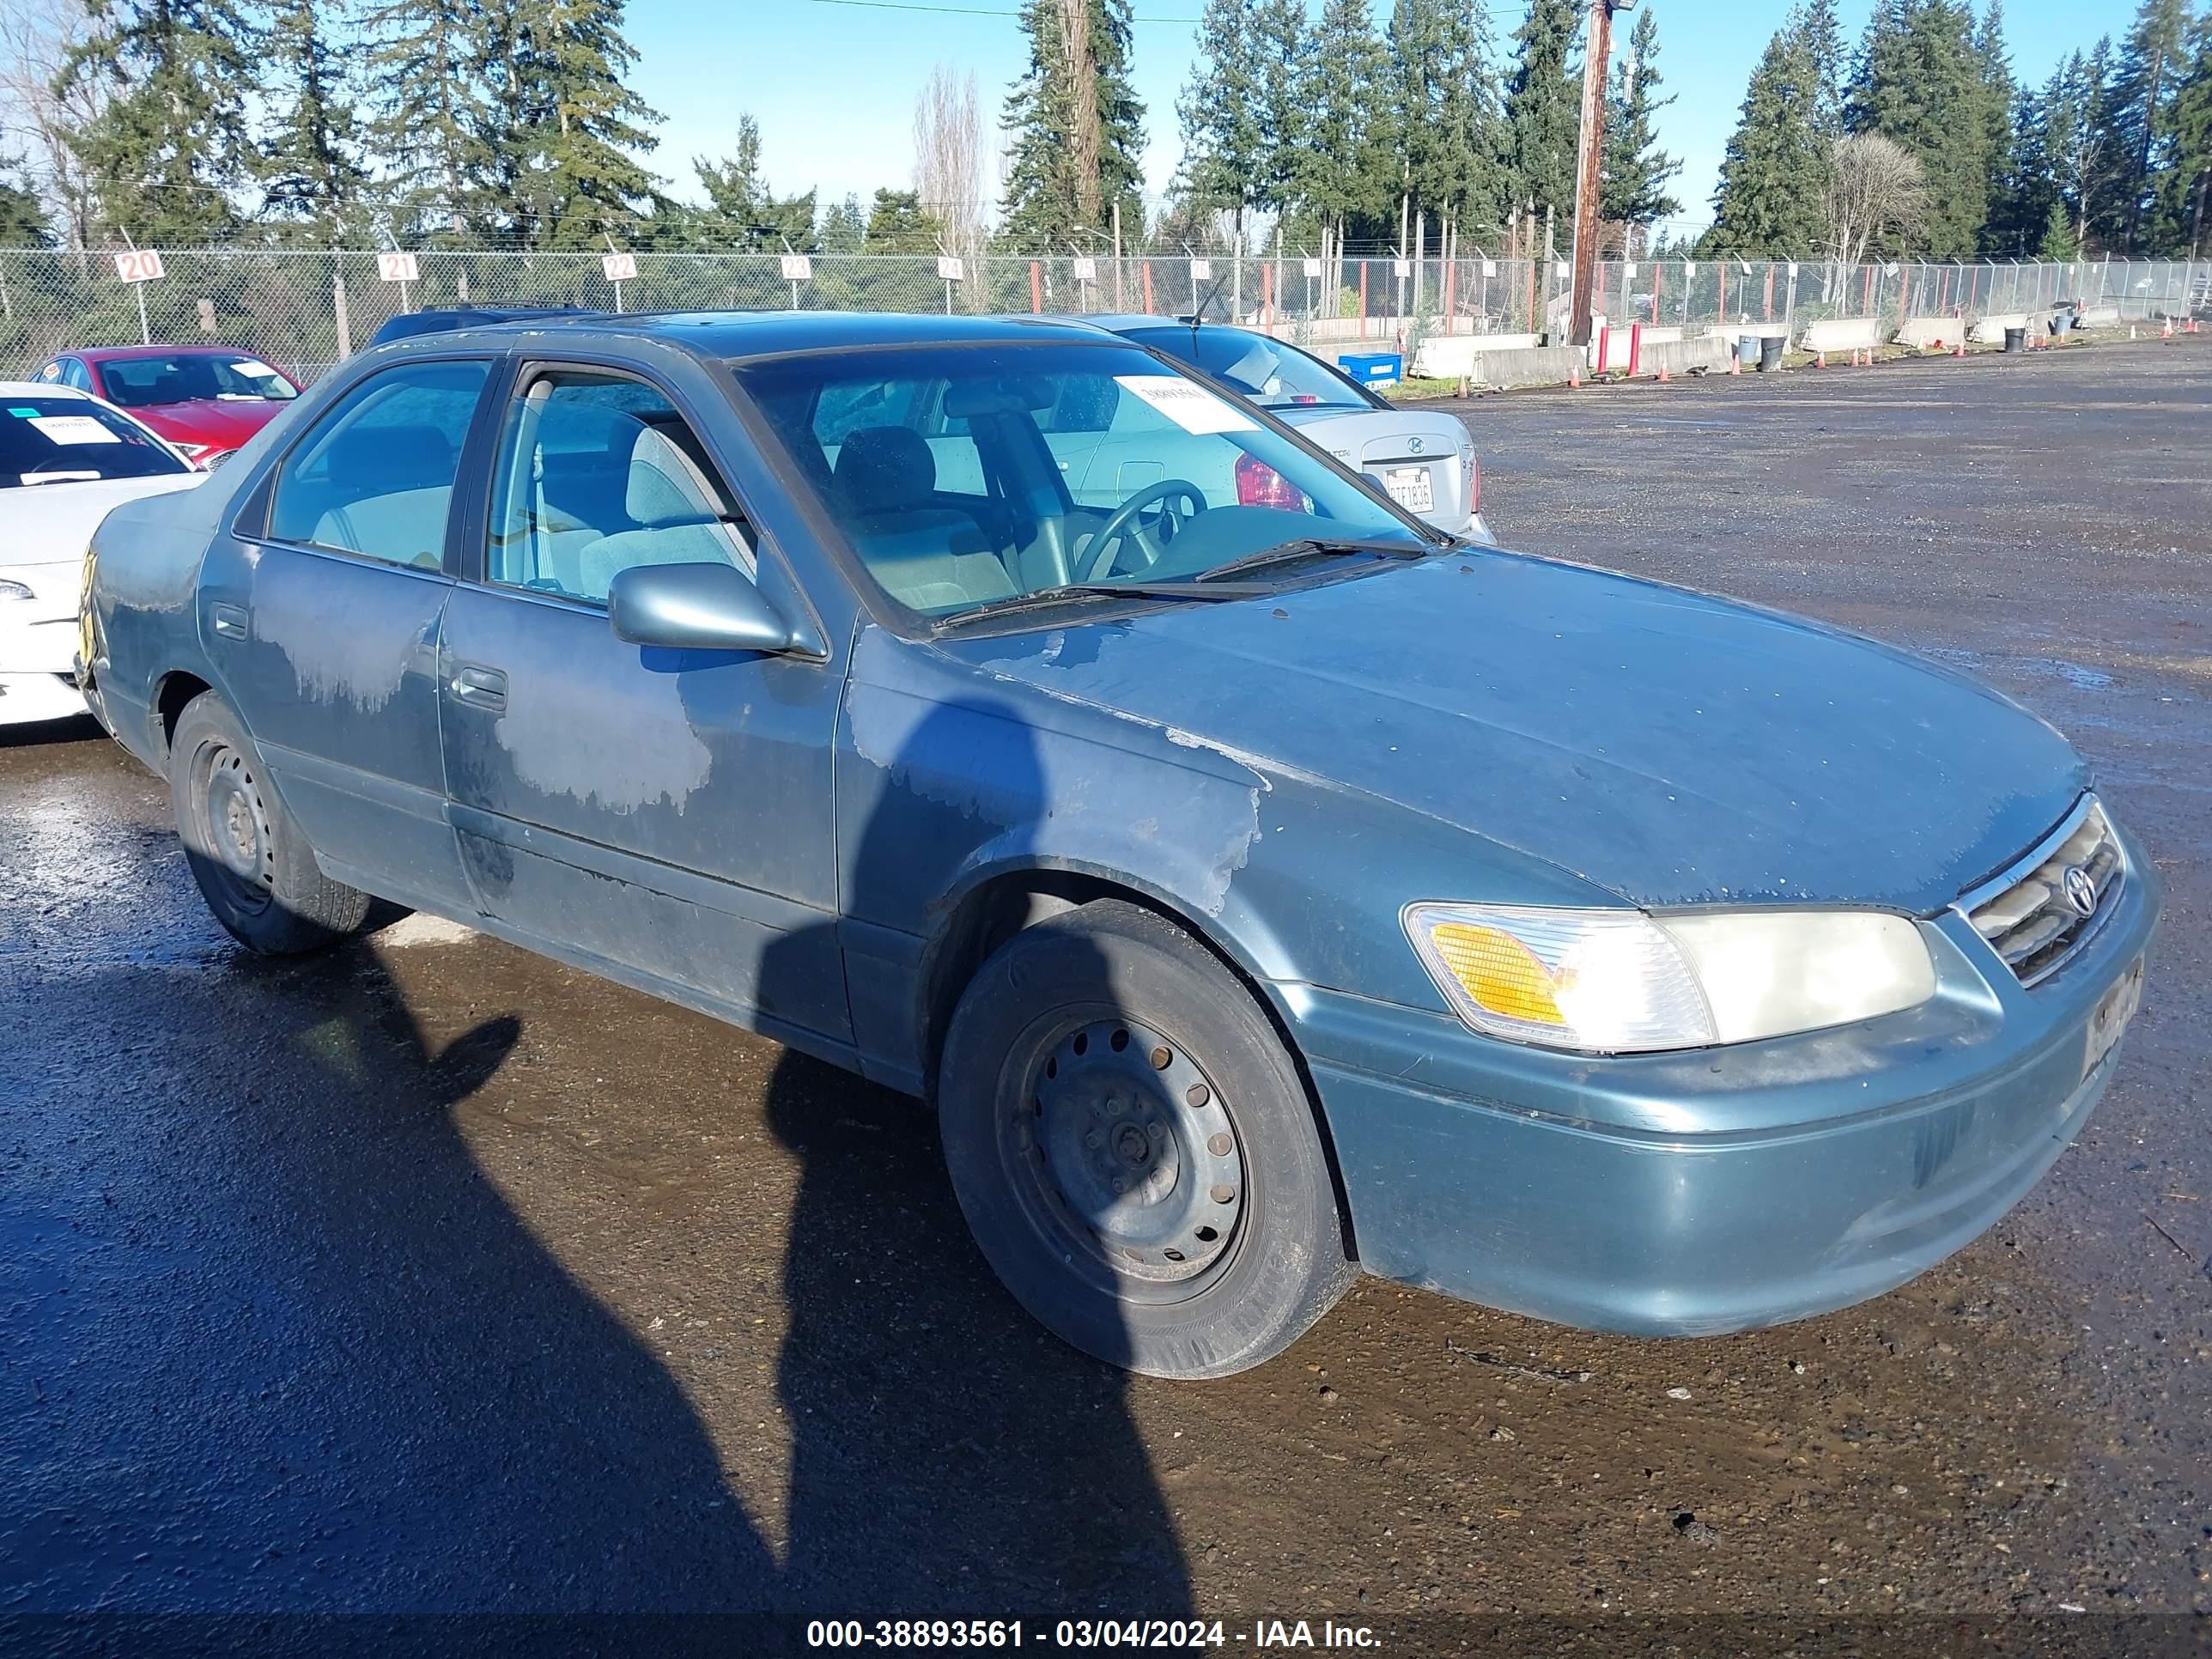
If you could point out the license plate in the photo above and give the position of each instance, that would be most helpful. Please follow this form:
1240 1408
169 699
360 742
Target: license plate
2114 1010
1410 487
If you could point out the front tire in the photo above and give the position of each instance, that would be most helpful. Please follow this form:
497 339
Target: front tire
253 865
1134 1151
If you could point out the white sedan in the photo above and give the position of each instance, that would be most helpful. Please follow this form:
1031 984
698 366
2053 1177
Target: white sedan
65 459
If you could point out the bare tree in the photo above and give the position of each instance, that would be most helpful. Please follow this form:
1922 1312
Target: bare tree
36 40
1877 188
948 166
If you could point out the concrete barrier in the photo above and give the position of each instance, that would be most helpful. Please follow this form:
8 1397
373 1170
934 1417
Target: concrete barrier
1679 356
1990 330
2098 317
1448 356
1925 331
1839 334
1528 366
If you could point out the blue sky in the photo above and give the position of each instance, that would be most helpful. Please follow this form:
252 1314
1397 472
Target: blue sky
834 85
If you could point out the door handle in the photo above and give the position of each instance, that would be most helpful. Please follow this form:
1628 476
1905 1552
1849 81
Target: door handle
480 688
229 621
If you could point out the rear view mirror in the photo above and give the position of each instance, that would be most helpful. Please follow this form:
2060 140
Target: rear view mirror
698 607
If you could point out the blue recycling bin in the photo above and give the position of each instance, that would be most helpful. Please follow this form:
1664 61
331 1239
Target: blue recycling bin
1375 367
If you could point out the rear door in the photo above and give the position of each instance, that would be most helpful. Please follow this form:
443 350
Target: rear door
321 617
662 816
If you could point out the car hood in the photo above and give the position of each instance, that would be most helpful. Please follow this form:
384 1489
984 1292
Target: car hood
1669 746
207 421
52 524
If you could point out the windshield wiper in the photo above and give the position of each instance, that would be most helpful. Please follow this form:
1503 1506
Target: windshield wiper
1306 547
1070 592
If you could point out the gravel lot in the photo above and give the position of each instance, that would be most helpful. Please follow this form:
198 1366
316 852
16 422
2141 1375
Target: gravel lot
433 1276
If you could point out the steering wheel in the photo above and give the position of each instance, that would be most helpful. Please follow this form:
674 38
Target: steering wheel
1126 526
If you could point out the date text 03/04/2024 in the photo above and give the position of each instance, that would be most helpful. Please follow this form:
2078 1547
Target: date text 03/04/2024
1086 1633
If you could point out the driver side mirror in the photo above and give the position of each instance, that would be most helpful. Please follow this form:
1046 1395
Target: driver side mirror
700 607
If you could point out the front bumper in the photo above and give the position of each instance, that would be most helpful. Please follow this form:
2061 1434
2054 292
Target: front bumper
38 662
1720 1189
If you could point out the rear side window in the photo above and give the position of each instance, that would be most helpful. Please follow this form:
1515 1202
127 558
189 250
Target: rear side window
59 440
375 475
193 377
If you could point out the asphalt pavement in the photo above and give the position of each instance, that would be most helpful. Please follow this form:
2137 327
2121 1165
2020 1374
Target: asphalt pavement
432 1276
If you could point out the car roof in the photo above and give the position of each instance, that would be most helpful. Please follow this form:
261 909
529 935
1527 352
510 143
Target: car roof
40 389
199 349
742 334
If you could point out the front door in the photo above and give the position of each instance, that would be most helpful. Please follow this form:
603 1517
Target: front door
321 620
664 815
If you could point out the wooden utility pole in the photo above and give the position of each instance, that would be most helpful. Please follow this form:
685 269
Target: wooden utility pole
1083 85
1597 55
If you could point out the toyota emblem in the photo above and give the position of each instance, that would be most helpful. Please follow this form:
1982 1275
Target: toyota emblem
2080 892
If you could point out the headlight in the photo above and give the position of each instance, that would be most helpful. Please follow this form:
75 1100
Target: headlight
1619 981
16 591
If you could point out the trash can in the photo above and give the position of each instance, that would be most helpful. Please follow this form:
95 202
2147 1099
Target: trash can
2016 338
1375 367
1770 352
1747 350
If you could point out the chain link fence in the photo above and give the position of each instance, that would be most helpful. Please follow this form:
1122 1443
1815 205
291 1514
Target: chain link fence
304 309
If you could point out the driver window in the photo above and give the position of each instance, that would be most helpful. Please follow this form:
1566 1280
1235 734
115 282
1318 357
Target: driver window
598 473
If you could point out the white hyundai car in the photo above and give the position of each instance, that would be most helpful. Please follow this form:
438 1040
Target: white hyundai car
65 459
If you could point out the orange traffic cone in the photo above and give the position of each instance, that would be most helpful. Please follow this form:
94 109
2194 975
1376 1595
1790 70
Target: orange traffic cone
1735 362
2166 330
1960 349
1664 375
1574 377
1819 360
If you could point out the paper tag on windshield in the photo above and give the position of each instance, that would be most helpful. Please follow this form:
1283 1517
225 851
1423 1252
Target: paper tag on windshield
1188 404
73 430
258 371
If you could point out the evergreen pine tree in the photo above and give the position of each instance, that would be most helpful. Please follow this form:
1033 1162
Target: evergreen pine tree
310 164
2186 205
898 223
742 215
425 68
1636 171
1774 172
2060 244
1921 83
1543 108
1347 170
1223 140
2140 117
1279 36
567 125
1820 32
172 143
23 221
1996 99
1049 191
1443 114
844 227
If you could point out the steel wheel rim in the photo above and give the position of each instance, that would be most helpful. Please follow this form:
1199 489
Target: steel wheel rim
234 833
1126 1155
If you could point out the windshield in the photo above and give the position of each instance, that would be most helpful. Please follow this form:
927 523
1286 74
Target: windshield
1267 371
54 440
193 377
969 475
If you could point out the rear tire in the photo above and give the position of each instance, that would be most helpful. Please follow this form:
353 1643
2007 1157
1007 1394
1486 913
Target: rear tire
254 867
1134 1148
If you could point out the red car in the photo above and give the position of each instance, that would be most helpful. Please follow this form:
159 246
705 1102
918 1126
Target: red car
207 401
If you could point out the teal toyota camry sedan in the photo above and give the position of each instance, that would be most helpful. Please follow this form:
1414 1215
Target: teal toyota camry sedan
1260 885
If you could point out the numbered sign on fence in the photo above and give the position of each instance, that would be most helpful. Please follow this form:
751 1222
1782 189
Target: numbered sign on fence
1689 269
1793 271
619 267
398 268
1087 269
1628 271
139 265
1200 270
1490 267
1400 267
1312 269
798 268
949 267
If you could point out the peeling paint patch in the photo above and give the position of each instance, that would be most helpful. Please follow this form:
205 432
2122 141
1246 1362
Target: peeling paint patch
562 739
342 665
